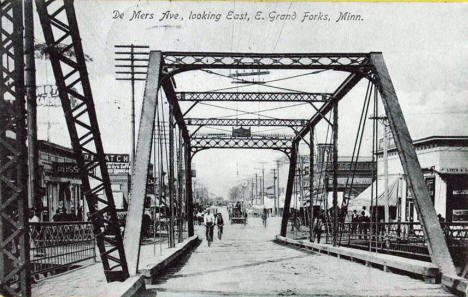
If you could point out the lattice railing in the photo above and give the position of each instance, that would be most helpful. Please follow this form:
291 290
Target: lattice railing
59 245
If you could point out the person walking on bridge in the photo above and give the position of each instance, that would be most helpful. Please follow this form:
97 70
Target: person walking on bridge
209 221
220 224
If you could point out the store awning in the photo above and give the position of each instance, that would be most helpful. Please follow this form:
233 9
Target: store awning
364 199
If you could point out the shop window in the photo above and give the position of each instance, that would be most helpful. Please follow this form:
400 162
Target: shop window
457 198
430 183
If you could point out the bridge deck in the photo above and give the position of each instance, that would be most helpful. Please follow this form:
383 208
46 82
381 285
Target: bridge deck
246 262
424 269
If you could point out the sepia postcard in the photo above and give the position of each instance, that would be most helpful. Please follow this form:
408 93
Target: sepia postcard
233 148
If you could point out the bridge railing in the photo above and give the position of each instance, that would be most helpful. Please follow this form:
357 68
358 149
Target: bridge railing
403 239
56 246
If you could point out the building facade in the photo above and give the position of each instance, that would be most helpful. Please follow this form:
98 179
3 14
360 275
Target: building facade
444 161
59 180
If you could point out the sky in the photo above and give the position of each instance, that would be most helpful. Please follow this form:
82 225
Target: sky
424 46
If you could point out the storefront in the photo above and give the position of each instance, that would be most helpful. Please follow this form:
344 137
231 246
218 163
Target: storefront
60 181
444 162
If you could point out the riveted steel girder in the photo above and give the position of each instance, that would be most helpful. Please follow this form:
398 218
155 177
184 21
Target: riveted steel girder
184 61
253 96
245 122
275 142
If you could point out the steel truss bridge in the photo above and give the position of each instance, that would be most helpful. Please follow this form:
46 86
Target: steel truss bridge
119 256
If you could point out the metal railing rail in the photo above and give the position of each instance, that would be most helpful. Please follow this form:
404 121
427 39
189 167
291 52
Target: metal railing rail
59 245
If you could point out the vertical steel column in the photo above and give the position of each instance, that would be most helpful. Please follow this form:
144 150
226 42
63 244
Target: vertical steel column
140 167
311 183
30 84
171 176
289 188
435 237
15 278
188 187
335 172
180 217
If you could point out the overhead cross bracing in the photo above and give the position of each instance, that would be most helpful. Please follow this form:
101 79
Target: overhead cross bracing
253 96
245 122
207 141
184 61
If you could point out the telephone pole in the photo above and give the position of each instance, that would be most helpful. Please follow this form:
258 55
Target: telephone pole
134 57
277 201
274 191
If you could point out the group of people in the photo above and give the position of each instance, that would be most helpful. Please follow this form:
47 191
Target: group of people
361 220
210 220
62 215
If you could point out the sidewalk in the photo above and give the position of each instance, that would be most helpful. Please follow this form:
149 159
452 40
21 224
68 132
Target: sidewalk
90 280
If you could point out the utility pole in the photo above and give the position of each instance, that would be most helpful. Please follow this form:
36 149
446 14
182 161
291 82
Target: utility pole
335 169
385 166
301 179
134 57
252 197
179 189
277 200
263 185
30 84
383 120
171 177
256 188
274 191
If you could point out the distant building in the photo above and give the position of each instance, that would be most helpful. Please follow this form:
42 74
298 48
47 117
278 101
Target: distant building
444 161
352 178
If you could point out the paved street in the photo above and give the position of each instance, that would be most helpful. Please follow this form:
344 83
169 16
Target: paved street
247 263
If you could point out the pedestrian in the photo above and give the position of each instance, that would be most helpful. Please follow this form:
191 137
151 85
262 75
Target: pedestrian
209 221
58 217
71 216
220 224
354 221
79 215
364 220
145 225
33 218
441 218
319 228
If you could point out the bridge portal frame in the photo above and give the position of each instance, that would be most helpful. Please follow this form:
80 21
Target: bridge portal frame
368 65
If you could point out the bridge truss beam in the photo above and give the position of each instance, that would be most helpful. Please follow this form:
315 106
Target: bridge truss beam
175 62
246 122
253 96
209 141
15 278
61 33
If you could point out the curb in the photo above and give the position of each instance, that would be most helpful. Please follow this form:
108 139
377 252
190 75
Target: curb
152 271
